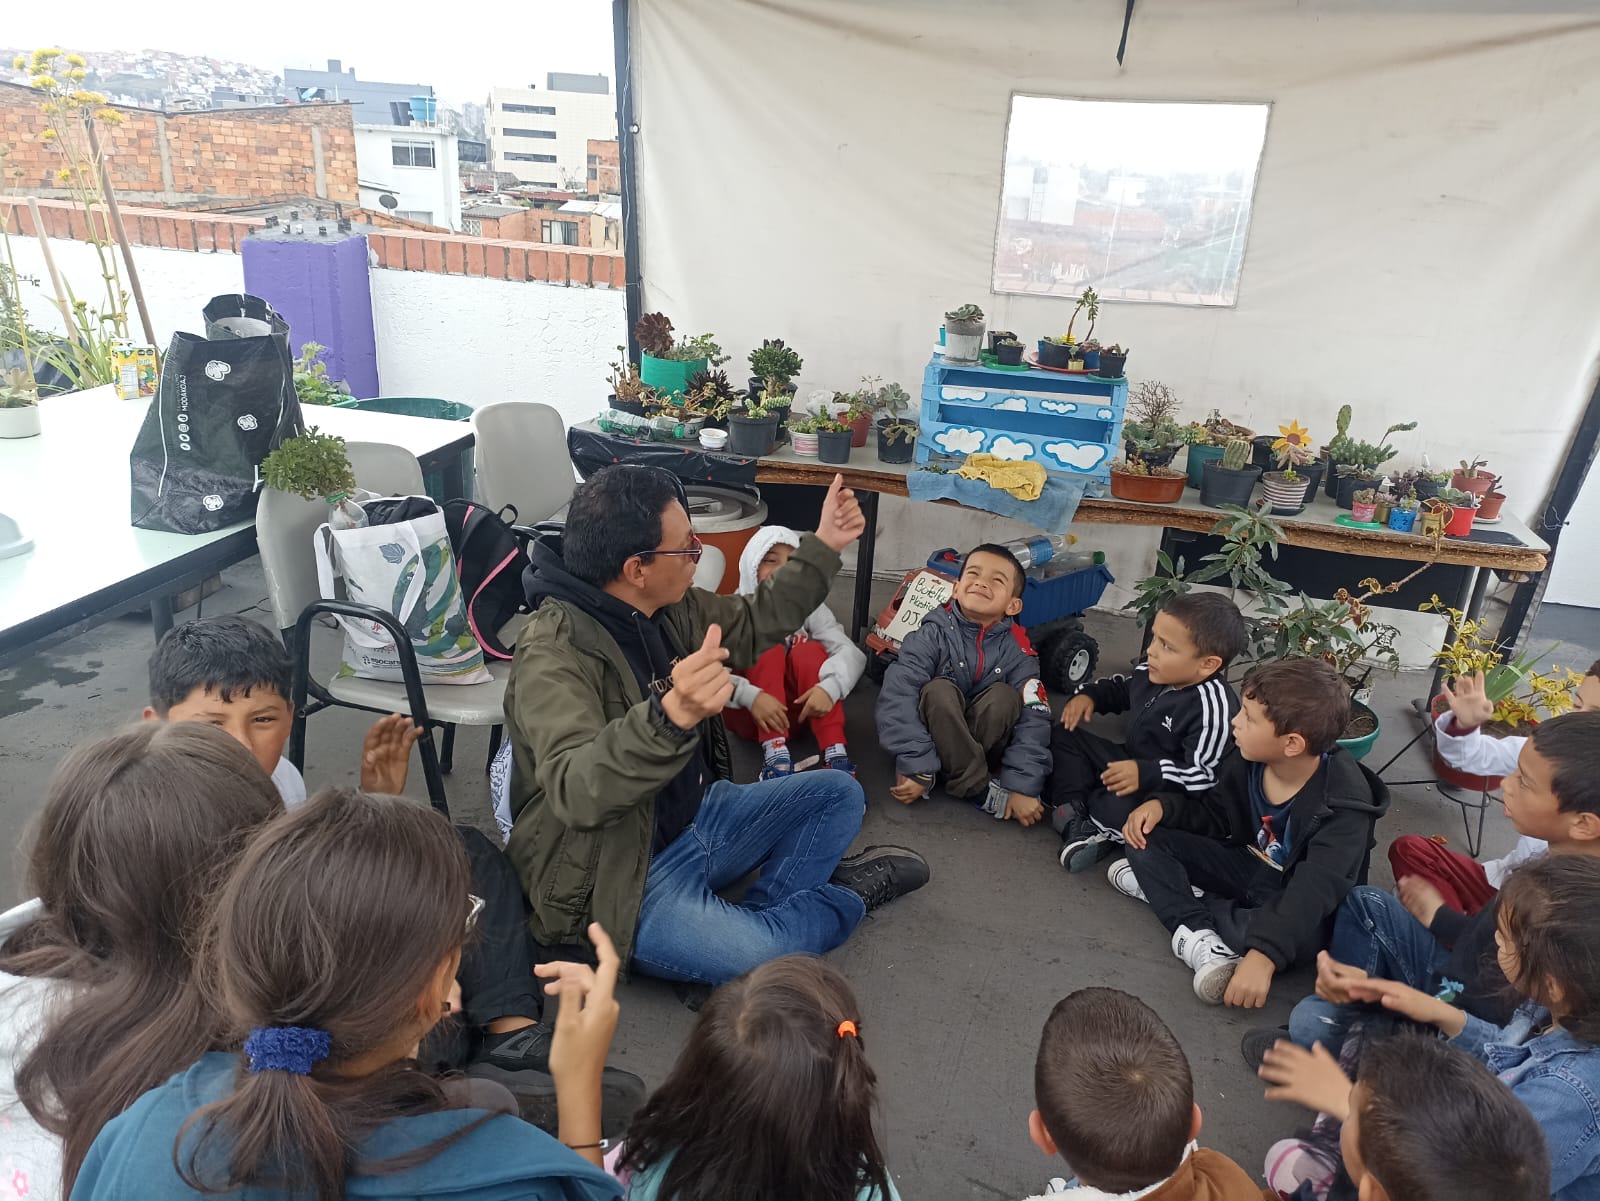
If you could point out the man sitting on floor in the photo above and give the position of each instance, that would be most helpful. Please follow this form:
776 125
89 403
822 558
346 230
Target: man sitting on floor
623 812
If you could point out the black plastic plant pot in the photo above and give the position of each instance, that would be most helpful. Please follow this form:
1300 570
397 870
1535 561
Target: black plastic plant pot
1261 452
833 446
1349 485
898 451
1009 356
1331 484
1221 485
1313 473
636 407
994 338
1112 365
1426 488
1153 458
1053 354
751 437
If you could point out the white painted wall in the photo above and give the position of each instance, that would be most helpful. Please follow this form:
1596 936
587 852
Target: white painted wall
485 340
177 283
1422 242
435 189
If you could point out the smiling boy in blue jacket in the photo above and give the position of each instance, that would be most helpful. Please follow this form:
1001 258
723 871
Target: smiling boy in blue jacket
963 699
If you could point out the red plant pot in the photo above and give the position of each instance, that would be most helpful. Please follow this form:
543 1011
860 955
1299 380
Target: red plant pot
860 429
1460 523
1149 489
1478 484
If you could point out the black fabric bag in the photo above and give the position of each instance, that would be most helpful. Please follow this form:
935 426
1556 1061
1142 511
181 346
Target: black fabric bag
222 405
490 561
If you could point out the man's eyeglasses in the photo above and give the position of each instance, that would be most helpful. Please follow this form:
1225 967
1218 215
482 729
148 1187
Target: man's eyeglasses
693 553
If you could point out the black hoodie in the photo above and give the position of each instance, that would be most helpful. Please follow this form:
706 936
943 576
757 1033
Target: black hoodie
651 649
1333 819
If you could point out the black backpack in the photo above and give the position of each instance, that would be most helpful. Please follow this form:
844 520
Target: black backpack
490 561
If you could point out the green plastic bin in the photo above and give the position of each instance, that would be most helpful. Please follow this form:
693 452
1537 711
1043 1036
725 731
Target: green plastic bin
423 406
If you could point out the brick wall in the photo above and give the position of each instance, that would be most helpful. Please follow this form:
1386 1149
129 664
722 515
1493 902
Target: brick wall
605 171
395 249
198 160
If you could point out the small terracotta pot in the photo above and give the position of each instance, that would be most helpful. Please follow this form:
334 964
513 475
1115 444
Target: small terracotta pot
1148 489
1489 507
1478 484
860 429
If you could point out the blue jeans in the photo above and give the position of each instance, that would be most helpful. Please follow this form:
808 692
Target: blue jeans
1372 931
795 829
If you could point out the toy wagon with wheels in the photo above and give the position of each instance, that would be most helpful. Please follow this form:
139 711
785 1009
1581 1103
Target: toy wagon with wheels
1052 614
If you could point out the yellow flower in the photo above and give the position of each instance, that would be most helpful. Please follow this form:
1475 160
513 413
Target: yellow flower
1293 435
83 97
47 135
111 116
77 60
48 52
64 175
44 83
20 61
76 74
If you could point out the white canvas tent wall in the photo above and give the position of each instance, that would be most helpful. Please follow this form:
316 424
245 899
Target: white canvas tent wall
1422 244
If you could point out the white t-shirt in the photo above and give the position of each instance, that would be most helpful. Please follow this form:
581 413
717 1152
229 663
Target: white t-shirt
291 784
29 1155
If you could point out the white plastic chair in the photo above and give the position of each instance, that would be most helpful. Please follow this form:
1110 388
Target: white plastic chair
285 526
522 460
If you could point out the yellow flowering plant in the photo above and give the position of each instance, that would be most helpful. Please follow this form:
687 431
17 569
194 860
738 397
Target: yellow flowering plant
1521 695
1293 449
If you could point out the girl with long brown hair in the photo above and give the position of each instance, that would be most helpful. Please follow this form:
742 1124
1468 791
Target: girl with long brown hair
772 1098
98 997
331 951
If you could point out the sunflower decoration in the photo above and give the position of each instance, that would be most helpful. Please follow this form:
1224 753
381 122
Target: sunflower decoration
1293 448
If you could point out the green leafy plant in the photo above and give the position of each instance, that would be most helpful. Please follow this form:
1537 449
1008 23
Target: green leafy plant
311 465
773 360
775 396
710 395
1352 457
311 381
966 313
1458 498
17 389
1235 454
626 384
1364 496
808 423
1408 501
835 424
1247 535
1519 693
1088 303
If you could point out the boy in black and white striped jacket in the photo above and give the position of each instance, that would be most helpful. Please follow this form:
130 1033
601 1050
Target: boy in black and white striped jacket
1181 710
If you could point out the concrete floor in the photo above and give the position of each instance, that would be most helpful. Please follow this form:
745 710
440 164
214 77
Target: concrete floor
955 981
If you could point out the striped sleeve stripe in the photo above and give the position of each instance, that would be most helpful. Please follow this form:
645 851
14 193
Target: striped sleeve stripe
1214 722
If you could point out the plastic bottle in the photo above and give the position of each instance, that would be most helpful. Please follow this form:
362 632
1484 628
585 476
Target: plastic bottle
345 514
1040 549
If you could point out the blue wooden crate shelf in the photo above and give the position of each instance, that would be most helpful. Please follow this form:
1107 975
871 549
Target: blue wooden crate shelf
1071 424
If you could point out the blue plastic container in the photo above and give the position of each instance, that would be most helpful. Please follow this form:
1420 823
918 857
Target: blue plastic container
1044 600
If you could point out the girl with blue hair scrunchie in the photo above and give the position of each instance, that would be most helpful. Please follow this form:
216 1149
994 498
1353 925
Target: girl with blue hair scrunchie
333 948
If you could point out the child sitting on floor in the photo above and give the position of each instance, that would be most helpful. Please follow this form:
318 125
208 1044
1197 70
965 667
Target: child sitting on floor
1424 869
964 698
1179 731
802 682
1276 845
122 862
1116 1101
331 949
772 1096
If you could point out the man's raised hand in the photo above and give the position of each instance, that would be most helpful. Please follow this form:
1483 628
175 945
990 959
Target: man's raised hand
702 686
841 522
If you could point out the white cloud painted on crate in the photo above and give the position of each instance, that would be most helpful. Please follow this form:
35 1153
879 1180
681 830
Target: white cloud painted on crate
962 393
1105 414
1009 448
1058 406
1084 457
1013 404
959 441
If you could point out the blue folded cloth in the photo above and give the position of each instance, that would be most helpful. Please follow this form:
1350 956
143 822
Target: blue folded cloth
1052 512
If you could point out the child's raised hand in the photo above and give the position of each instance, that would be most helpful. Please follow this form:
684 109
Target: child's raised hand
702 686
842 521
1078 710
815 703
1140 822
1311 1078
587 1017
1121 777
386 754
1469 701
771 715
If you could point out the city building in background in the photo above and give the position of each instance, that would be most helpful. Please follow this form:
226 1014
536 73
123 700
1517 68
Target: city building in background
605 169
542 135
371 103
410 171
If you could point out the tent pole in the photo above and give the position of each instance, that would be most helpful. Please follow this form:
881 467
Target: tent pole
1553 517
627 165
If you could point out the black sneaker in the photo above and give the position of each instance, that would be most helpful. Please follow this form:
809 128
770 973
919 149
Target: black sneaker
1256 1043
1084 844
519 1050
880 874
621 1095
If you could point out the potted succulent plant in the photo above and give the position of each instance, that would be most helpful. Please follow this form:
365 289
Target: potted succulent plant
996 334
1008 352
1113 362
1150 432
1463 508
1139 480
629 392
1206 440
1288 488
752 430
19 404
803 434
1088 304
711 397
963 334
834 438
1420 480
1230 479
1364 504
668 365
1489 506
1471 477
1356 464
1055 351
897 433
772 360
1403 512
778 401
1091 350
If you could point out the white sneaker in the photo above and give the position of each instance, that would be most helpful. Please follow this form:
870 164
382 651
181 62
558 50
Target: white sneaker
1124 881
1212 961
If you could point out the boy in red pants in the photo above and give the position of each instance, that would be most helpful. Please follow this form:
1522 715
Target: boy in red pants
805 680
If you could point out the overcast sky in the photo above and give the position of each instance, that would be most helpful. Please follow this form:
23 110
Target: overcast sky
462 50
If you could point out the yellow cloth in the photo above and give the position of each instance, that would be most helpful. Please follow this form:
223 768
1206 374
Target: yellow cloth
1025 481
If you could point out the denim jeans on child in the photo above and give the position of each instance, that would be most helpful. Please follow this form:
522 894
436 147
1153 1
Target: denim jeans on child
795 829
1374 932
